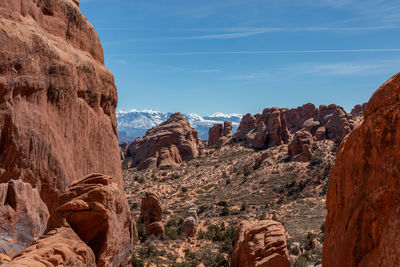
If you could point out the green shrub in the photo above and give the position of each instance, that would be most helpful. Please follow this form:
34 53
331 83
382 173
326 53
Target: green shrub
224 211
222 203
141 229
174 176
315 160
308 243
216 261
135 205
244 206
136 262
247 170
171 233
139 179
301 261
184 189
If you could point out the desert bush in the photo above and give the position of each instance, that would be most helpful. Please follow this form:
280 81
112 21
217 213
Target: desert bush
141 229
139 179
244 206
171 233
222 203
224 211
217 261
309 240
135 261
301 261
174 176
247 170
315 160
184 189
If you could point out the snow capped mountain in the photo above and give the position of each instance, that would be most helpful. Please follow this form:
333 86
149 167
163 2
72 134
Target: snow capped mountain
134 123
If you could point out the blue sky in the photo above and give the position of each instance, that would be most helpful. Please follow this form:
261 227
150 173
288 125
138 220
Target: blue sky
241 56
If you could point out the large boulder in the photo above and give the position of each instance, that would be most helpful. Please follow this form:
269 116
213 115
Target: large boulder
300 147
219 134
189 226
168 144
58 247
57 113
22 213
151 214
262 243
94 208
362 227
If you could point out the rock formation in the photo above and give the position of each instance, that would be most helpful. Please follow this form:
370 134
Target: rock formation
151 214
358 110
91 211
189 226
124 148
300 147
362 227
168 144
260 244
22 212
276 126
57 118
219 135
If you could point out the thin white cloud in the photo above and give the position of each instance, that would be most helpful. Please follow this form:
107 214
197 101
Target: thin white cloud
317 51
243 32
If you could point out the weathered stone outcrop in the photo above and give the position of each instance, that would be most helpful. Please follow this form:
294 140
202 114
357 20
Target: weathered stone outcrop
362 227
260 244
168 144
219 134
358 110
57 114
58 247
151 214
300 147
22 213
189 226
276 126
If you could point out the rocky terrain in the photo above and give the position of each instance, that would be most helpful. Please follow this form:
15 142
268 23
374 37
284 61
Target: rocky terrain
226 185
292 187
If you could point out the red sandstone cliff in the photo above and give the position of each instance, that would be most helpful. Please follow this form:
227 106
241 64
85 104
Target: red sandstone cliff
362 227
57 114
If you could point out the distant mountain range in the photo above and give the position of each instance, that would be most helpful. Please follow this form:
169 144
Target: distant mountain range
134 123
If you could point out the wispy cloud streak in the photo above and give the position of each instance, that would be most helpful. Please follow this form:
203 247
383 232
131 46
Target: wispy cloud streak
320 51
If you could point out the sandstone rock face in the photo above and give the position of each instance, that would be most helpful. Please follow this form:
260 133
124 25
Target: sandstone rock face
58 247
276 126
94 208
363 224
22 213
57 113
168 144
260 244
219 135
124 149
300 147
358 110
150 213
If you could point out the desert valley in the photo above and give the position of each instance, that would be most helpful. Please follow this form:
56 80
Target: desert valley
306 186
